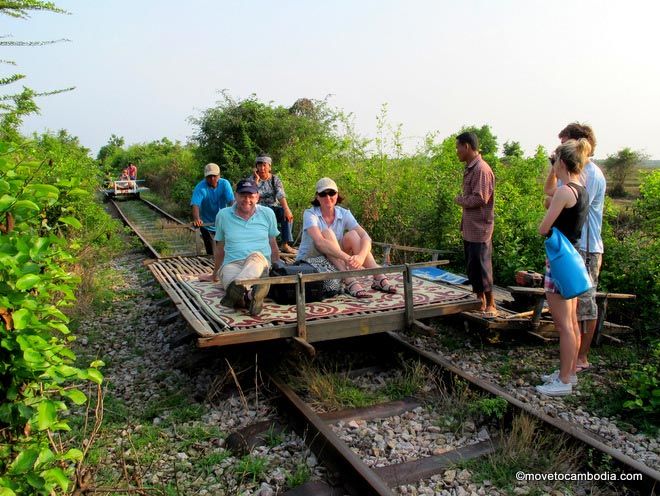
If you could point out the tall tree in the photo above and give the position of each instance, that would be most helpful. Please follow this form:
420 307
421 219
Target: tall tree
512 149
619 167
233 132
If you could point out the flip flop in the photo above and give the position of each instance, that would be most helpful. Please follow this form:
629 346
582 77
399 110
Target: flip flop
582 368
490 315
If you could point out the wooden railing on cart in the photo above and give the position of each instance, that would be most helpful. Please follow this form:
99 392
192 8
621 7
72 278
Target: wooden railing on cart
301 279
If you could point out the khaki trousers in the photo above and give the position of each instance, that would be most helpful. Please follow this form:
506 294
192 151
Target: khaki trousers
255 265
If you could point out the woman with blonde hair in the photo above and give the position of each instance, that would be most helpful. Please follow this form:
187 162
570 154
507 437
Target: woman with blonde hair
567 212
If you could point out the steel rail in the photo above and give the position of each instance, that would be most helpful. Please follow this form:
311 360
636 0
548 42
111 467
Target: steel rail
359 480
135 229
140 230
651 477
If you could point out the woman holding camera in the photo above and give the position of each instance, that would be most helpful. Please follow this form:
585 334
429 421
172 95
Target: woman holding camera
567 212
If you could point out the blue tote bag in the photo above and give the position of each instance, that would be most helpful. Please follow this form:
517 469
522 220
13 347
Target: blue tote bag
566 266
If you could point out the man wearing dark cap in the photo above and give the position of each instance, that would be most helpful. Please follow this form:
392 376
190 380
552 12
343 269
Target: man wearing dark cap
477 221
271 194
209 196
245 246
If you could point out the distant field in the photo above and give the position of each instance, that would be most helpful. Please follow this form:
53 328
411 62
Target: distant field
632 182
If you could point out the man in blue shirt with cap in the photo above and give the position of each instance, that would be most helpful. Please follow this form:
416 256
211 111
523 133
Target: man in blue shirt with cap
209 196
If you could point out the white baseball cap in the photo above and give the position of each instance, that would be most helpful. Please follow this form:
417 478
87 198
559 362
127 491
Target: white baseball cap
211 170
326 183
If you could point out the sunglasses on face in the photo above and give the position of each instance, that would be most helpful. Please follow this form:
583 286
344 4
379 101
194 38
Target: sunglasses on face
327 192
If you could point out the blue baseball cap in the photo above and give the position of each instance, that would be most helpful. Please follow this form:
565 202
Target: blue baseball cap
247 186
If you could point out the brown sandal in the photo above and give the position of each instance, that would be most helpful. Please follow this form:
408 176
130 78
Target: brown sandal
357 292
383 285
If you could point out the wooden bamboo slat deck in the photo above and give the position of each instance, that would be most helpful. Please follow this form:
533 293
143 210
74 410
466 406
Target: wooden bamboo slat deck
213 331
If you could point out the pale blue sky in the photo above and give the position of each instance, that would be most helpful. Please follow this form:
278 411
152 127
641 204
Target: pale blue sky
525 67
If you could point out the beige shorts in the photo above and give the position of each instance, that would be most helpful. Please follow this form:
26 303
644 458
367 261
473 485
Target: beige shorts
587 309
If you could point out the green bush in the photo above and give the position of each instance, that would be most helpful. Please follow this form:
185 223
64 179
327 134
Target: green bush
631 262
643 387
38 379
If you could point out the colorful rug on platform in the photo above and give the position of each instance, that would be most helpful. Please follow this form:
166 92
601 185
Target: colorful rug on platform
208 296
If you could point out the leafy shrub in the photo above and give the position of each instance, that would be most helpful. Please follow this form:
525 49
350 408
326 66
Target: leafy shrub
631 262
38 380
643 385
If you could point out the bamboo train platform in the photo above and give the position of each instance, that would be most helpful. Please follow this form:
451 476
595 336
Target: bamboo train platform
337 317
533 317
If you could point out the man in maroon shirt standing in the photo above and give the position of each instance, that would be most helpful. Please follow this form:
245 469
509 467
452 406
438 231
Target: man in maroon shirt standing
478 217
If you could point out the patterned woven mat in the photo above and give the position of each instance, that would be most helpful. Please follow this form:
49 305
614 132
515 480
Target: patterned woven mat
208 297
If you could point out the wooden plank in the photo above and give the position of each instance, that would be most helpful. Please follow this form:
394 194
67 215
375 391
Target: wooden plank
408 297
345 274
599 294
389 246
337 327
300 308
424 468
191 315
423 328
381 410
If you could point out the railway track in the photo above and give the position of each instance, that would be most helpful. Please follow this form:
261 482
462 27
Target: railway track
326 438
162 234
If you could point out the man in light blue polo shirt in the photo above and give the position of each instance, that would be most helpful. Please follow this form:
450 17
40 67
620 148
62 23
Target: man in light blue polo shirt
245 245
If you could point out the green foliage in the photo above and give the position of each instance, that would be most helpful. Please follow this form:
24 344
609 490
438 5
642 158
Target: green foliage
207 464
115 143
14 107
37 374
490 408
252 466
234 132
487 140
299 477
647 207
407 382
512 149
274 437
619 166
643 385
631 262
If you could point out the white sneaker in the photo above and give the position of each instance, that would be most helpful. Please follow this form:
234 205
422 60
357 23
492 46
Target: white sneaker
555 388
555 375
